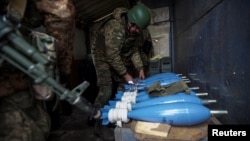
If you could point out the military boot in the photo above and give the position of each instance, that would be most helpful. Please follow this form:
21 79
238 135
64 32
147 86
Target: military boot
104 132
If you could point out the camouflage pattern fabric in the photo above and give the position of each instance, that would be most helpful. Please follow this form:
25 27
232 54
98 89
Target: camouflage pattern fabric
22 118
113 49
59 21
47 46
157 90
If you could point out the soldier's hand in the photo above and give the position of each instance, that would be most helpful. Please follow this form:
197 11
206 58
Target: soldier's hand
141 74
127 77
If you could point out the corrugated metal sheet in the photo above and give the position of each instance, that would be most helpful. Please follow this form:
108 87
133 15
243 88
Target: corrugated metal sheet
91 10
212 47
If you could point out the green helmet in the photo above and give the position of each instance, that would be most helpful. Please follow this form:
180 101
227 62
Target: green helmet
139 14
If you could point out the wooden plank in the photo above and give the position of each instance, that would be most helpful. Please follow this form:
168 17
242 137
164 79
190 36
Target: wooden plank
144 131
149 128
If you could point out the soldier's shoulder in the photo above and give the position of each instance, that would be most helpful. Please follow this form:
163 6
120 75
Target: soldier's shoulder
118 12
113 25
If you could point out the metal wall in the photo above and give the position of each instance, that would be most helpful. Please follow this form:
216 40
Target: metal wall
87 11
212 46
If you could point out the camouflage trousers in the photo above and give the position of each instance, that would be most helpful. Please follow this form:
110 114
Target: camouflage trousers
104 82
22 118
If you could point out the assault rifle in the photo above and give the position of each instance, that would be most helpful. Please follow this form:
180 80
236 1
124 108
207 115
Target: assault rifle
25 57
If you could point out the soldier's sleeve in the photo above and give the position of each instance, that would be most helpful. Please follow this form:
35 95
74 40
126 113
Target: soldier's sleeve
114 37
59 22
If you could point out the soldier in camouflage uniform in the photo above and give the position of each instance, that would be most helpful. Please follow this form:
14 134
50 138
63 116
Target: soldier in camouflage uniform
59 21
22 116
114 49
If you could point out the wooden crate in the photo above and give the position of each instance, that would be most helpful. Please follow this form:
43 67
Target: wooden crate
146 131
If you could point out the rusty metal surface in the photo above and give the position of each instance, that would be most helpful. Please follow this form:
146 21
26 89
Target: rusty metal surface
91 10
213 49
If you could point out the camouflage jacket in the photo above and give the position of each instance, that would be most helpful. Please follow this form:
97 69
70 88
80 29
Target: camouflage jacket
115 46
59 21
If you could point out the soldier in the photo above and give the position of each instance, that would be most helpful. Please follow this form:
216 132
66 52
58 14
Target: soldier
59 22
22 116
114 49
